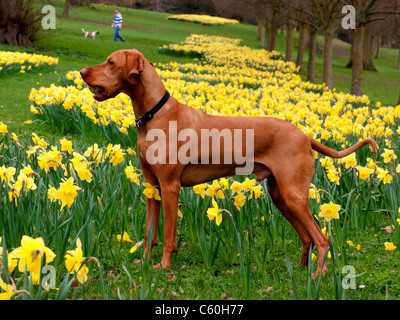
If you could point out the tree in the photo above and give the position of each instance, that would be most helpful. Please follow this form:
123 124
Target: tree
66 9
20 22
367 11
312 32
318 15
323 16
367 62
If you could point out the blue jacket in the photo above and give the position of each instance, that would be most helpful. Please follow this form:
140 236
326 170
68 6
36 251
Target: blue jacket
117 20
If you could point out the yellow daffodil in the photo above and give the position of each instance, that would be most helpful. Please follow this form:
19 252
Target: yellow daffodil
11 263
364 172
3 128
236 187
329 211
151 191
131 174
66 193
349 161
240 200
350 243
30 253
384 176
214 213
66 145
313 193
256 191
248 184
8 290
200 189
389 246
215 190
388 155
7 174
74 262
135 247
124 237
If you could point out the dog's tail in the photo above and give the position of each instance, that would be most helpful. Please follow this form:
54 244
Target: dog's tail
83 30
321 148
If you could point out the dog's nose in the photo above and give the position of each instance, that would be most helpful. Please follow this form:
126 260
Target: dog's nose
84 72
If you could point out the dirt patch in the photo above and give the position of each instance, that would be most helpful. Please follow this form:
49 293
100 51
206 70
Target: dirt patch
108 24
339 52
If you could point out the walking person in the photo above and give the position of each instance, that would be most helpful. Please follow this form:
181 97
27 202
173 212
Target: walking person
117 25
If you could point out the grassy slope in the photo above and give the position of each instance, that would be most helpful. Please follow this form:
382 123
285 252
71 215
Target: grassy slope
153 30
147 31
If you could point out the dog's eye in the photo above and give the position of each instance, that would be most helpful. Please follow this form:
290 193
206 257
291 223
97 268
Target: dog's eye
109 62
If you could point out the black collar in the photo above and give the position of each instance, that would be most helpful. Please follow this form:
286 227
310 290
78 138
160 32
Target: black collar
141 121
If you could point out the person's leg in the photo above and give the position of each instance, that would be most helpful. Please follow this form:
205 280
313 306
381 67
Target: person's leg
116 33
120 37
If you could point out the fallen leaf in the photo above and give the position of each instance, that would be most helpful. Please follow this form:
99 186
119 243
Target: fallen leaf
171 277
174 295
388 229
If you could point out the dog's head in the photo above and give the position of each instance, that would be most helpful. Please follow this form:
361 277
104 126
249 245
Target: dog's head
96 32
117 74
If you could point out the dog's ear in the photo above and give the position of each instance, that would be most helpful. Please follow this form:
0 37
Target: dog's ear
134 65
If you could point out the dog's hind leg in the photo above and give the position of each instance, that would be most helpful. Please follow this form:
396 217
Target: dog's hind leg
303 234
294 187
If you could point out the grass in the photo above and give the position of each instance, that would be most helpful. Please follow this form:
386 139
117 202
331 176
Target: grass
192 278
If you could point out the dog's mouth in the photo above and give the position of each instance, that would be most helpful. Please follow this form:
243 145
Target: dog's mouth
99 93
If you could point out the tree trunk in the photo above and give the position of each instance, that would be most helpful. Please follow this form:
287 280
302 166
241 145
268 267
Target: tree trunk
357 67
66 9
327 73
378 45
398 61
311 57
262 31
301 48
368 64
350 62
273 28
289 40
19 22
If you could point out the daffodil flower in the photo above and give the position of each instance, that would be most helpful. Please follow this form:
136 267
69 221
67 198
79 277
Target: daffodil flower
30 253
215 213
329 211
389 246
124 237
151 191
74 262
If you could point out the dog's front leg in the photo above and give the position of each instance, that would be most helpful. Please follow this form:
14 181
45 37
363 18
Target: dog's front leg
152 210
152 217
170 197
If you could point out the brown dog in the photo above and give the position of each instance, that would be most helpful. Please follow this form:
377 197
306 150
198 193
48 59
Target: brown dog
282 153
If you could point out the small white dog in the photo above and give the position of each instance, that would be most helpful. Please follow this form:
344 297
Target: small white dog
90 34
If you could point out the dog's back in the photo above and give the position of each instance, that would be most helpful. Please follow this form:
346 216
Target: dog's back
91 34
